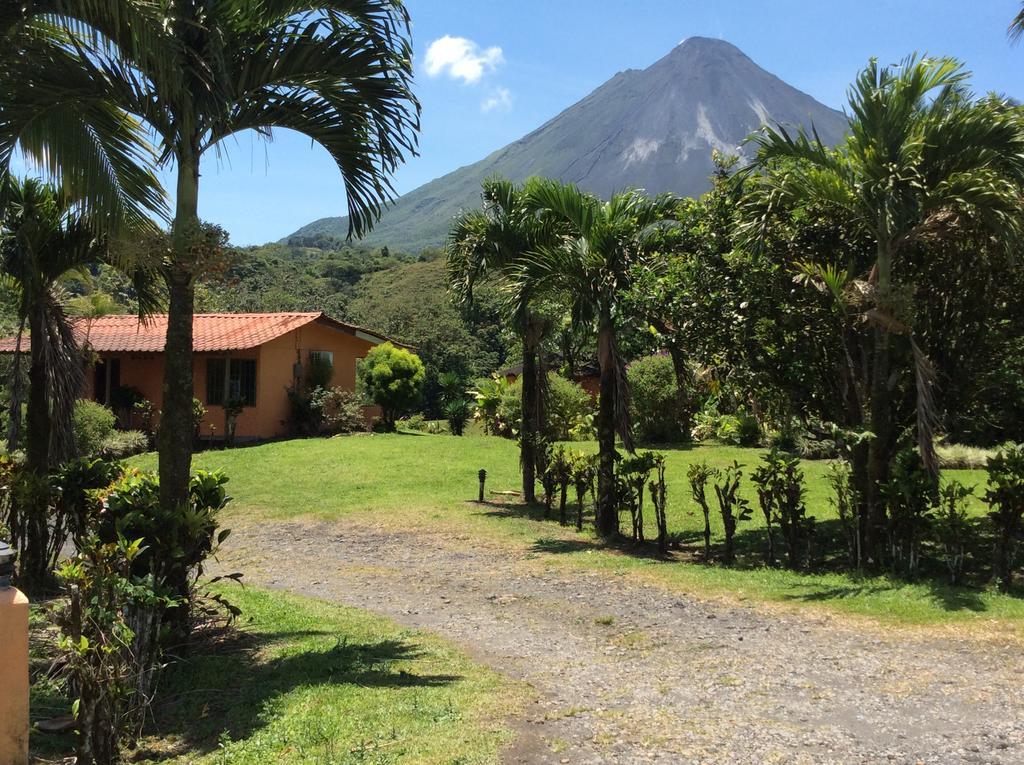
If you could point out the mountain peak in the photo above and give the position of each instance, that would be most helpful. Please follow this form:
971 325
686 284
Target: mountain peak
654 129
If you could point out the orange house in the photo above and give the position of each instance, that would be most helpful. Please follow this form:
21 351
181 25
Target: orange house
254 358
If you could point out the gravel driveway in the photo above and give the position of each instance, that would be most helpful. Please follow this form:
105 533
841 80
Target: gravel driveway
630 673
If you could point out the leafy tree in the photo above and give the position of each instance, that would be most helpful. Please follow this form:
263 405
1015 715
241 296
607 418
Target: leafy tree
497 240
44 234
411 303
393 379
591 268
922 163
195 74
656 413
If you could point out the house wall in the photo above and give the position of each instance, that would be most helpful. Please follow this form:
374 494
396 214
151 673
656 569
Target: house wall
275 361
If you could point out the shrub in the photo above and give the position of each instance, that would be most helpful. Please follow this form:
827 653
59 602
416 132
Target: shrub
1005 497
176 540
489 394
634 474
960 457
698 474
559 468
567 402
458 412
393 379
659 500
657 408
340 410
733 507
93 424
909 497
124 443
844 500
582 470
99 644
416 422
738 429
952 529
780 492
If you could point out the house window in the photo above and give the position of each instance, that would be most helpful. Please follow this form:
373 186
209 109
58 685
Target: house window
324 356
107 377
230 380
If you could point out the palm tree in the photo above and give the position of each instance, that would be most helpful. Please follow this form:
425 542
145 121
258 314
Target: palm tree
493 242
198 73
590 267
1016 29
922 161
44 236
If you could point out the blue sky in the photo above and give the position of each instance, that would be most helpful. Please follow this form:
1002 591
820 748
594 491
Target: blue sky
517 64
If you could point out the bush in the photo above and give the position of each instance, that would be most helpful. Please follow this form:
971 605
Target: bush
567 405
99 643
733 507
393 379
93 423
417 423
657 409
567 402
458 412
909 497
780 492
1005 497
952 528
738 429
176 540
489 394
124 443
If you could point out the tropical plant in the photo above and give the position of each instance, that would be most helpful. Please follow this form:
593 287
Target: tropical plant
733 507
96 638
844 500
488 394
393 379
195 75
656 412
698 475
910 495
660 501
590 267
923 163
494 242
92 424
581 472
780 492
559 466
635 473
44 235
1005 497
952 527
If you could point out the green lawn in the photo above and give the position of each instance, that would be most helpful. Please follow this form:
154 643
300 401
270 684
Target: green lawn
427 479
311 682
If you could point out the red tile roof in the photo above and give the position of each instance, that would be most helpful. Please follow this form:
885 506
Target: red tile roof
211 331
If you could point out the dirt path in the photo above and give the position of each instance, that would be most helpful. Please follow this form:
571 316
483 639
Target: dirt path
627 673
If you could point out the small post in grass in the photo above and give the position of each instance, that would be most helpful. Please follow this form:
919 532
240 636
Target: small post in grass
482 475
13 665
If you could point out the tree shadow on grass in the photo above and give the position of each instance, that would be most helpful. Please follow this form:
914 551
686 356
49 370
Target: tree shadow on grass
227 690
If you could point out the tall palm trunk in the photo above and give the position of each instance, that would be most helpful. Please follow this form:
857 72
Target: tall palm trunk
607 512
879 452
34 496
176 426
530 434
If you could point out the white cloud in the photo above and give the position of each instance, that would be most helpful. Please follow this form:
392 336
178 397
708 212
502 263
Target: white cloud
500 99
461 59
